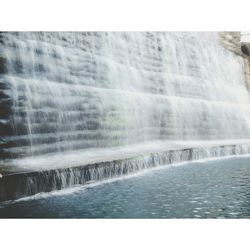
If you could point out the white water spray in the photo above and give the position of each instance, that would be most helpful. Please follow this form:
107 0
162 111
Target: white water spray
75 92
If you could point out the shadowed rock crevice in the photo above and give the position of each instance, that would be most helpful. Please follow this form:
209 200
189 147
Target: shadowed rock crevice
245 48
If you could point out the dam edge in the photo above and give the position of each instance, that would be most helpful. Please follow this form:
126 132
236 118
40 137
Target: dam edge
18 185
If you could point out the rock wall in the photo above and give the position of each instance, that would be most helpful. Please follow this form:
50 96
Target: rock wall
231 40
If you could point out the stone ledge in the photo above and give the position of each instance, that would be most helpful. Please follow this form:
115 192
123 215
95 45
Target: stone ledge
18 185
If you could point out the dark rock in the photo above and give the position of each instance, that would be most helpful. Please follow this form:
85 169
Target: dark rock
3 68
245 48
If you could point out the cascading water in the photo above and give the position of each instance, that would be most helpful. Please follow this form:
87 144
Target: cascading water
67 93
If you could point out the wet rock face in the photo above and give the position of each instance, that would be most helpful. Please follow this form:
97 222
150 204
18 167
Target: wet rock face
3 68
245 48
64 91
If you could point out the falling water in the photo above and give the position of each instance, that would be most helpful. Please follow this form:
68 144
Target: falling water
71 93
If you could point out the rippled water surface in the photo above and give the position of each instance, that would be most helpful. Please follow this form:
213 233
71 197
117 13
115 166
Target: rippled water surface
212 189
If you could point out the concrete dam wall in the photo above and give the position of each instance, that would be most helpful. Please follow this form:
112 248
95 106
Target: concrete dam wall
71 102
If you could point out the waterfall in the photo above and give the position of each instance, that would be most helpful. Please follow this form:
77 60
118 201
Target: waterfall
75 92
